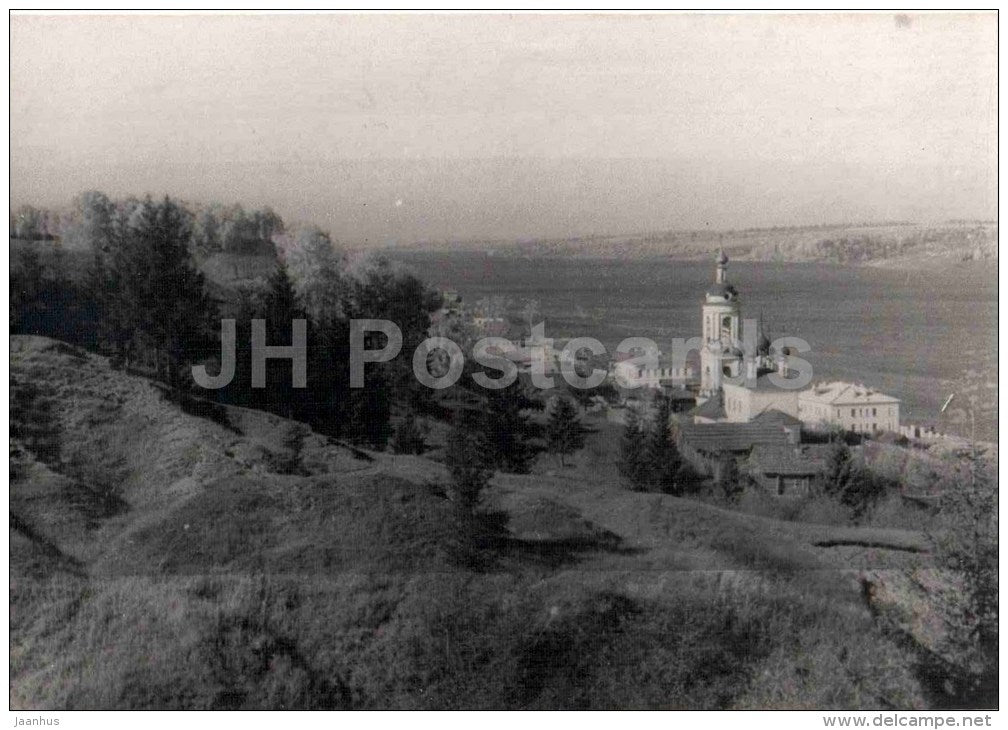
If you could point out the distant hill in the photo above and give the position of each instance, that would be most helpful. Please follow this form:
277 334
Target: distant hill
899 245
895 244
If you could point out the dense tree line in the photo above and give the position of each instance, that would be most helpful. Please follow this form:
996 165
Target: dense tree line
34 224
43 300
213 228
144 302
232 229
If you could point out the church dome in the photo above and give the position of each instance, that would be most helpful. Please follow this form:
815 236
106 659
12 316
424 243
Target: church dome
722 291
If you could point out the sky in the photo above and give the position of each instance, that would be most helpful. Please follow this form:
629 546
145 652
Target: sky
391 129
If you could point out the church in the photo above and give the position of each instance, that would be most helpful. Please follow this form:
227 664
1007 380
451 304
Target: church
738 371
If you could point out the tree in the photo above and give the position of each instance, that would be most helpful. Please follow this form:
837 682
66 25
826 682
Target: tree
245 305
156 300
863 488
407 437
837 472
328 400
968 547
379 290
729 477
317 269
280 307
370 410
632 465
662 457
247 233
282 304
466 459
26 291
206 239
852 483
179 313
92 223
564 432
470 470
507 428
109 298
28 224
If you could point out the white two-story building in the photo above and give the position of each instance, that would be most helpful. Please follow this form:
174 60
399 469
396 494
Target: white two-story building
848 406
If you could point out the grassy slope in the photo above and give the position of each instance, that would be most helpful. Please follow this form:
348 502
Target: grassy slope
164 560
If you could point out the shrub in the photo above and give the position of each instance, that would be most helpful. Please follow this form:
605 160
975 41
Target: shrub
469 466
631 461
850 481
729 478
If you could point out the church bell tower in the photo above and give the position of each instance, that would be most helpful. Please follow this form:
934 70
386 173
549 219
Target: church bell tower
720 354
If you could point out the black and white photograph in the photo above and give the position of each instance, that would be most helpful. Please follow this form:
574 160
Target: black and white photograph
504 361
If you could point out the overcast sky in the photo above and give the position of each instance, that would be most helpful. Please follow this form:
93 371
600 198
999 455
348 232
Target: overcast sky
400 128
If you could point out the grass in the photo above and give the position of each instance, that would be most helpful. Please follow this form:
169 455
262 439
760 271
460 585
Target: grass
445 640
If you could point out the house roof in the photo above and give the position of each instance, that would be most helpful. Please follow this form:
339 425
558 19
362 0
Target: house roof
788 461
776 417
713 438
711 408
841 393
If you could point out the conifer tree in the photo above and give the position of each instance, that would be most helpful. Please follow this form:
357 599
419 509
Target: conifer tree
246 305
470 470
564 432
26 291
631 463
281 306
157 300
467 462
662 456
328 400
106 293
507 428
839 465
370 410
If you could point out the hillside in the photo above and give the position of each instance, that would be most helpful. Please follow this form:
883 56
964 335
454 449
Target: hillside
226 558
897 245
